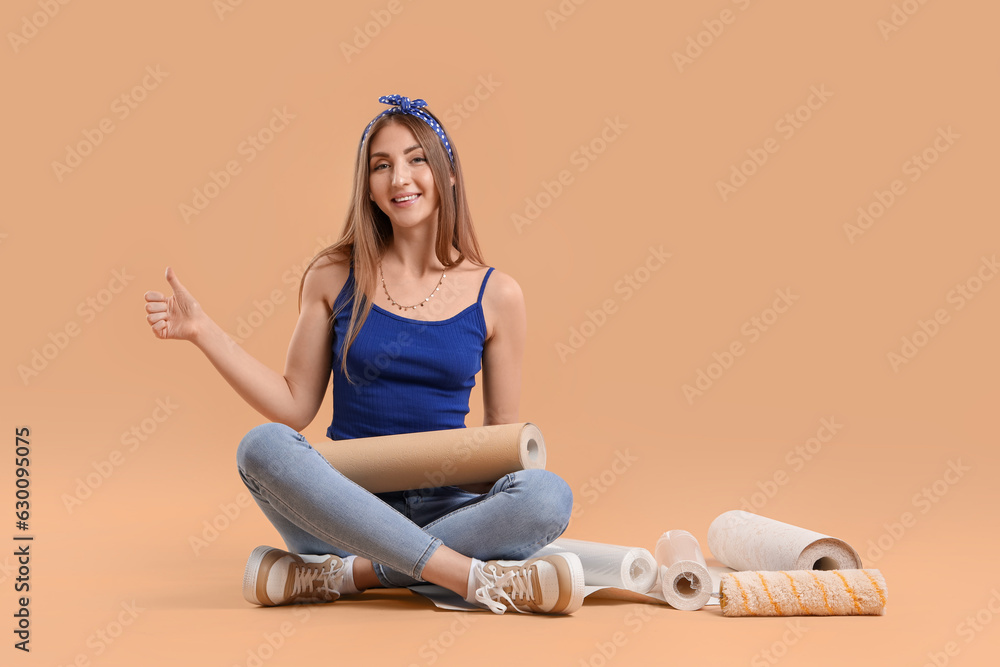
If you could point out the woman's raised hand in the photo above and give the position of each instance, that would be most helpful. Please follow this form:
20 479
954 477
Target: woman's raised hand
178 316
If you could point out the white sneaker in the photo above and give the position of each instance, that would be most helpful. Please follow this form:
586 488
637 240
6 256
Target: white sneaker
547 585
276 577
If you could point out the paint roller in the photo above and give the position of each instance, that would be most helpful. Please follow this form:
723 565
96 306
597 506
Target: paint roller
449 457
803 593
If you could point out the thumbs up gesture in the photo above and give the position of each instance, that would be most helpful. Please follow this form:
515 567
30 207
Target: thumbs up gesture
176 316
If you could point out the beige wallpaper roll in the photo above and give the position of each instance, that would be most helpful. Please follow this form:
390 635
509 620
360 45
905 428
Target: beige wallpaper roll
745 541
437 458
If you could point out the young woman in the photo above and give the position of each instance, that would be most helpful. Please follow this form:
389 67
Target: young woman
405 366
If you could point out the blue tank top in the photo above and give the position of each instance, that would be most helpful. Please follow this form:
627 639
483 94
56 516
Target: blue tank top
409 375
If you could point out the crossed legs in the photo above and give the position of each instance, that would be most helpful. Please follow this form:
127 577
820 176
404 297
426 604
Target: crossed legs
317 510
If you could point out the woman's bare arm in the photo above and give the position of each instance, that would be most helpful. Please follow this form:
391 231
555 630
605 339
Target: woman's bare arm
503 354
292 398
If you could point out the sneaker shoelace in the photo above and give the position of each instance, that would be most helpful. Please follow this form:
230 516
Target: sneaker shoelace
493 588
308 575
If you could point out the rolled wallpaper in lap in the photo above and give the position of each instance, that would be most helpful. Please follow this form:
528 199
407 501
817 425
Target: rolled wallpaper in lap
450 457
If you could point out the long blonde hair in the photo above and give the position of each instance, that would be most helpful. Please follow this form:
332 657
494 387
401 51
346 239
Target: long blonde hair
367 230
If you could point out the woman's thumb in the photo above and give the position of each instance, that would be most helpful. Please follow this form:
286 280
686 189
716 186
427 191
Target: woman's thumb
174 282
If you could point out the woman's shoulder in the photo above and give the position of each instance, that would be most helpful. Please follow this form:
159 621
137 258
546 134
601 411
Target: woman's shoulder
329 274
501 286
503 300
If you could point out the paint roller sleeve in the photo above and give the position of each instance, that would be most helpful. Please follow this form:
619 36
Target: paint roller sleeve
804 593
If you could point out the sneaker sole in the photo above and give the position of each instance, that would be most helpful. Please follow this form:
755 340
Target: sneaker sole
570 569
258 565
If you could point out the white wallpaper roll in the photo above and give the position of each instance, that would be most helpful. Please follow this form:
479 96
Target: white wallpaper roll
684 576
631 568
745 541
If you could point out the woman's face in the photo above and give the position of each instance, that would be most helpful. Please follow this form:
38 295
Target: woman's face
398 168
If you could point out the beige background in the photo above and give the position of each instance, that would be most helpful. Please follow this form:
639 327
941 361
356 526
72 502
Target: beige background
618 397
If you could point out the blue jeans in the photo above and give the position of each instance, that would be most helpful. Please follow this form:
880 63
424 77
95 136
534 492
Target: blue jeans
317 510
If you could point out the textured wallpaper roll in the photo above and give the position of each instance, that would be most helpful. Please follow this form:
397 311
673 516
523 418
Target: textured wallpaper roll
630 568
804 593
451 457
745 541
684 576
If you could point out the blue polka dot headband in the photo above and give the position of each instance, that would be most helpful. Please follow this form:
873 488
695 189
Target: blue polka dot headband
403 104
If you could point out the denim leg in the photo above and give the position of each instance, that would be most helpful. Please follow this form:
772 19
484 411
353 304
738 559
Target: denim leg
524 511
314 506
299 541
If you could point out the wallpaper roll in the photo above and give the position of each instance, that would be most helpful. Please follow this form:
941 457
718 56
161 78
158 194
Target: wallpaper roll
630 568
450 457
684 575
804 593
745 541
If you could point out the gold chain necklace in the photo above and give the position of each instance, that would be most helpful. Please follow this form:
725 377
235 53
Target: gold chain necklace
402 307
